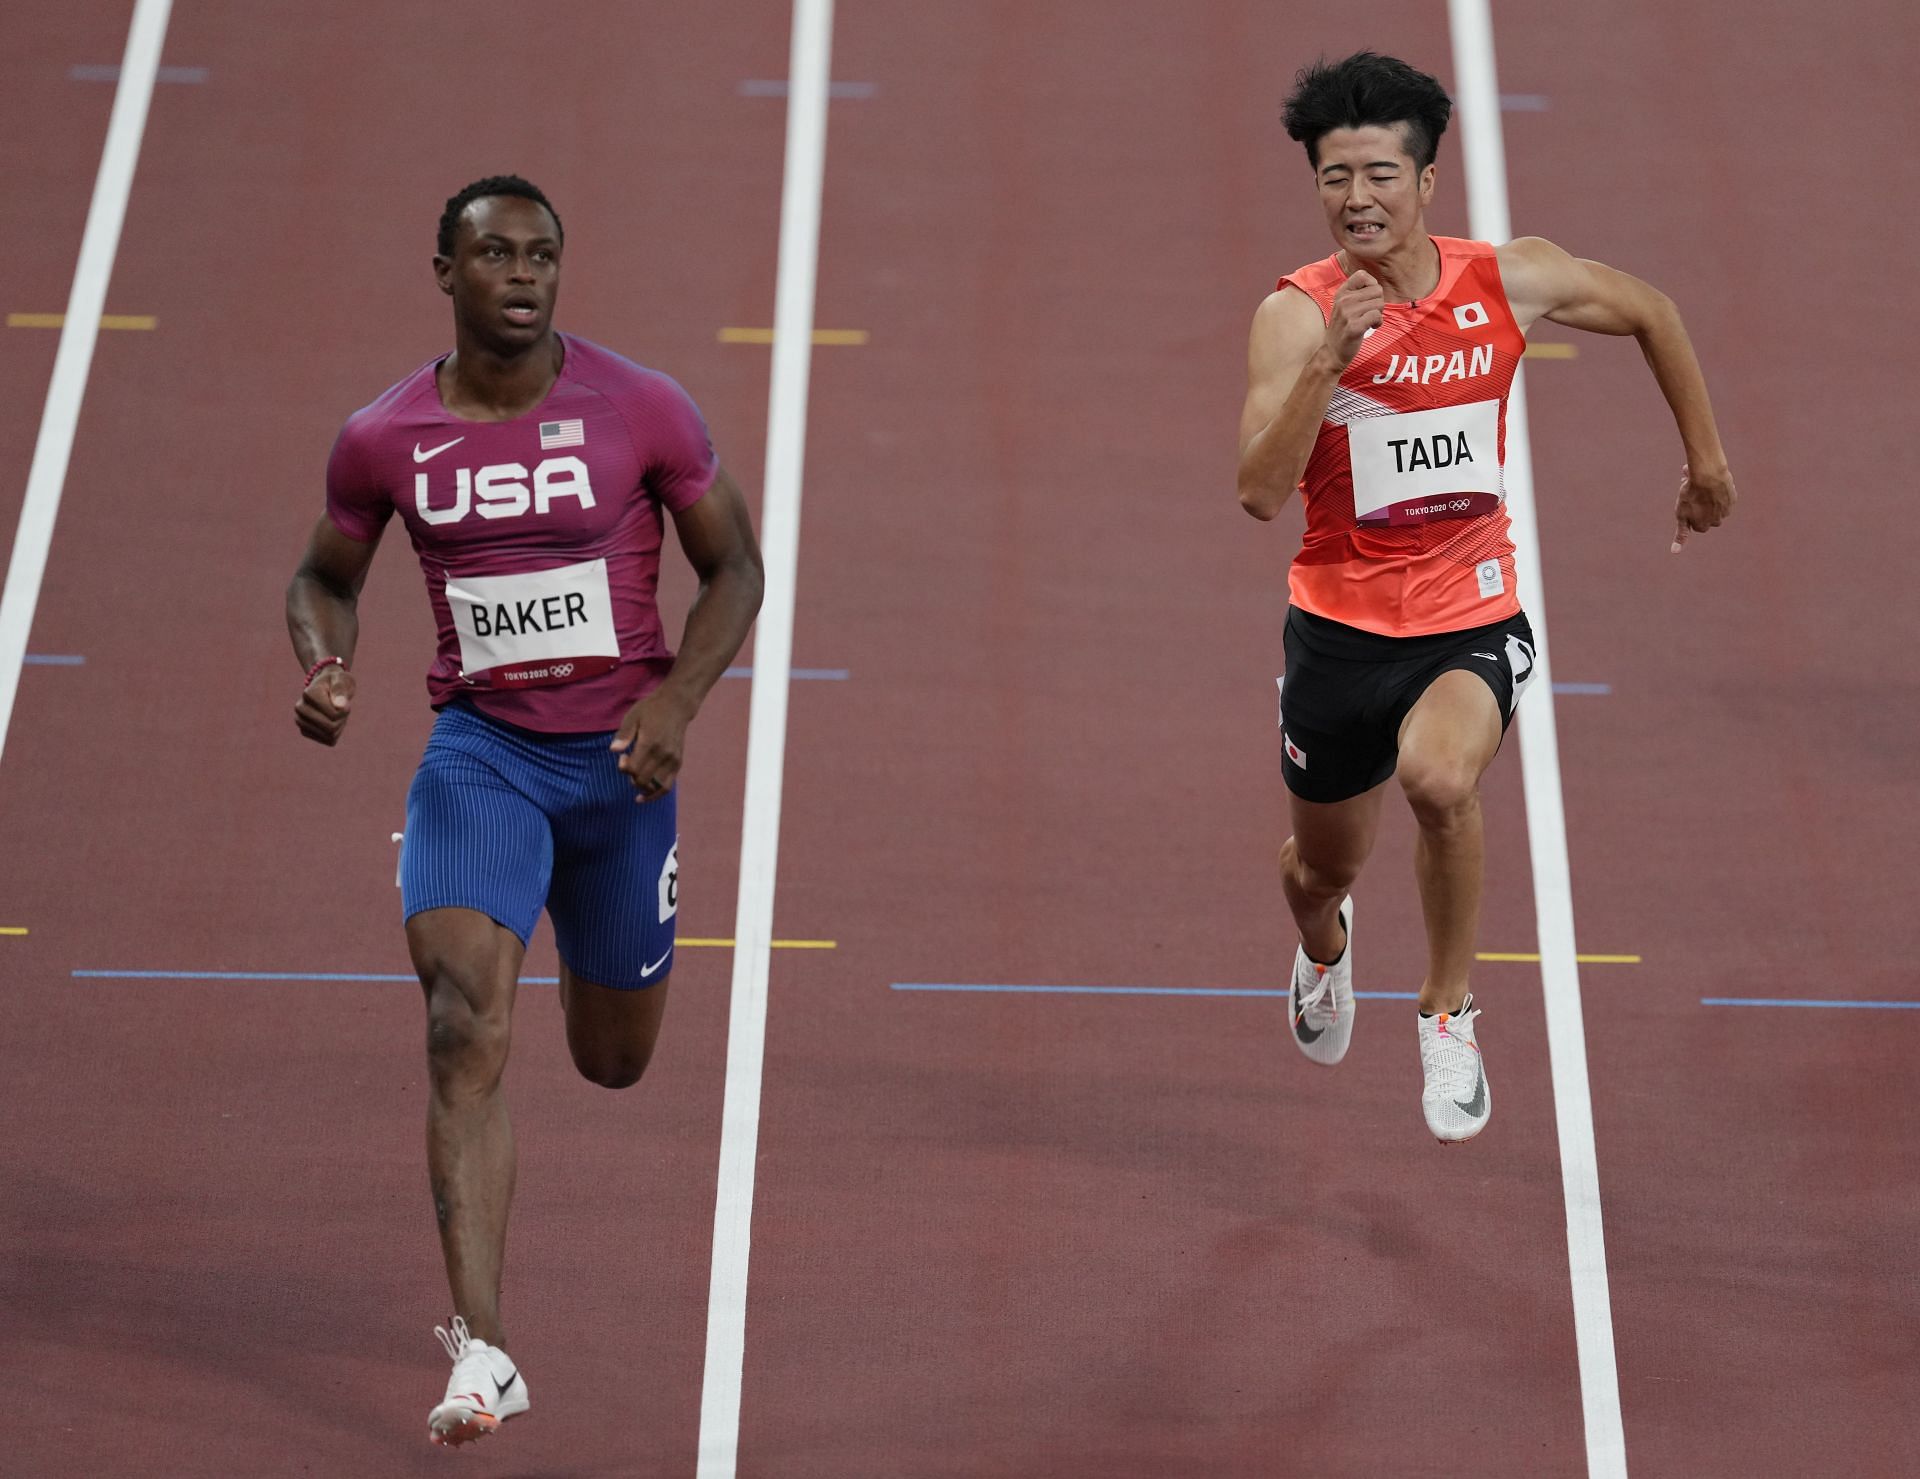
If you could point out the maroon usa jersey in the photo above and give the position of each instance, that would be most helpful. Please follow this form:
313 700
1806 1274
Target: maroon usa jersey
539 537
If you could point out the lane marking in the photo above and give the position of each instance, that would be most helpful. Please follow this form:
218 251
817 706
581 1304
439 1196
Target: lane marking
1786 1001
1593 688
808 69
168 975
12 929
776 87
799 675
1087 990
1552 350
837 338
136 321
53 447
1477 96
108 72
1137 990
1524 102
771 944
54 660
1207 990
94 975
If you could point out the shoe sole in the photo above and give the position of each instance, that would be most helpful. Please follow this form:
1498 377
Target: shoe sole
469 1429
472 1429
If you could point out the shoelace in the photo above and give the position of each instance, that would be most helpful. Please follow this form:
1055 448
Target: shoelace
1323 984
457 1340
1457 1062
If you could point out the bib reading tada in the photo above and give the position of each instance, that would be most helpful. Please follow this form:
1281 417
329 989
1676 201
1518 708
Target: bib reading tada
1416 466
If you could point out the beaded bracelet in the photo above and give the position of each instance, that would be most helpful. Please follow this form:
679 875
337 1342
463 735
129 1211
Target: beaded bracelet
325 662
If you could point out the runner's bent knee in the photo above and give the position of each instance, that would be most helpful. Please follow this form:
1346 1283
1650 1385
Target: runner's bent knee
466 1048
1442 791
610 1032
1325 877
621 1071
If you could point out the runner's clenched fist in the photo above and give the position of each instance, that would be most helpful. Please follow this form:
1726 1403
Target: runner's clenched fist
1356 309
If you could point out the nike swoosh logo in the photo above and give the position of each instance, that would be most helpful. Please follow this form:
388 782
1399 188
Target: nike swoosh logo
500 1387
1477 1105
419 456
1300 1028
649 970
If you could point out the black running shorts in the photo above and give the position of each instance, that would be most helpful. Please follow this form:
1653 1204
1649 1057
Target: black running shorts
1346 692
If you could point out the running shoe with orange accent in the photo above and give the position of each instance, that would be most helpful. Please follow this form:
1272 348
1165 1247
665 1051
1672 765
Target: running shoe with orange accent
1456 1099
486 1389
1321 1004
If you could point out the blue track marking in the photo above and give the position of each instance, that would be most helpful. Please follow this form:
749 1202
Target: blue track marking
110 72
1598 688
54 660
1790 1001
799 675
1127 990
776 87
269 976
1524 102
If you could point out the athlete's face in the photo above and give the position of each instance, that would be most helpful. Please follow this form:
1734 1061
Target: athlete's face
504 274
1371 189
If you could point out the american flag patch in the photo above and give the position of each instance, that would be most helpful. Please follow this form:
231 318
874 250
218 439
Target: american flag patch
562 434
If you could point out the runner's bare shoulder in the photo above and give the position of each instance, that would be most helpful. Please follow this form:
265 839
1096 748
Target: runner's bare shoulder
1287 326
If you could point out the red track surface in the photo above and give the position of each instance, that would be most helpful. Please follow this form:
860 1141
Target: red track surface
994 1235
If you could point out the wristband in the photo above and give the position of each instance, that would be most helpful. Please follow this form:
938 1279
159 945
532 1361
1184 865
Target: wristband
325 662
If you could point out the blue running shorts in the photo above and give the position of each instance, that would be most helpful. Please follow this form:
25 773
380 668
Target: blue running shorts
509 822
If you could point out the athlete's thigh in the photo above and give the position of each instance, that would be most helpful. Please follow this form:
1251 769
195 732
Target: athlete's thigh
474 839
1452 730
1466 699
616 883
467 954
605 1023
1336 836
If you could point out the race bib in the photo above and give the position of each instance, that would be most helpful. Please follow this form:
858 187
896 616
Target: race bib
534 629
1423 465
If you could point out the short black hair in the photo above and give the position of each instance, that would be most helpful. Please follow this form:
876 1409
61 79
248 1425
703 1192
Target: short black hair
480 189
1364 91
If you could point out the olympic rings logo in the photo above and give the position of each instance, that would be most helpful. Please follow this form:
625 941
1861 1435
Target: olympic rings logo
563 670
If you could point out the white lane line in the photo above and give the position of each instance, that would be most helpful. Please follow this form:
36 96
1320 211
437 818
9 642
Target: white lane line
1477 96
53 448
766 733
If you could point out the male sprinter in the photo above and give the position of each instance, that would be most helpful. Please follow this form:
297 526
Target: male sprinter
1377 383
533 471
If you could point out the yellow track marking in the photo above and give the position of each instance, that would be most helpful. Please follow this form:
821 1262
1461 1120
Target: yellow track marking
777 944
837 337
1583 959
12 929
107 321
1553 351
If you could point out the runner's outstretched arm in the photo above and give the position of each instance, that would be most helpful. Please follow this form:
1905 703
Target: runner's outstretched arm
717 535
1544 281
324 621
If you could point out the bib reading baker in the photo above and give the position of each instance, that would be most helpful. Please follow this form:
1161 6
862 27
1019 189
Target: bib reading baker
1417 466
534 629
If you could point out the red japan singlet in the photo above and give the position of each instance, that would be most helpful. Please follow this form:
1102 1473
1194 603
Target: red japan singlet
1405 489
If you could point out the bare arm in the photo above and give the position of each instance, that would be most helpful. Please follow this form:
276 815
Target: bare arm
323 620
1543 281
717 537
1294 362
